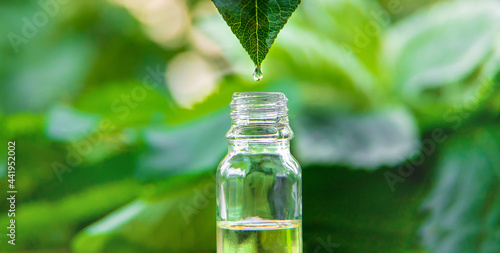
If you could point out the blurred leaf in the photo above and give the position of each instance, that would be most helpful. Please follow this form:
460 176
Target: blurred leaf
128 104
369 141
3 168
355 25
213 29
216 101
187 148
47 75
52 224
256 23
441 46
183 220
323 61
90 138
464 206
67 124
22 124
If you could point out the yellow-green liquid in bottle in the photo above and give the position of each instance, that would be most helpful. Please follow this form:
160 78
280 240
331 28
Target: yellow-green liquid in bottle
259 236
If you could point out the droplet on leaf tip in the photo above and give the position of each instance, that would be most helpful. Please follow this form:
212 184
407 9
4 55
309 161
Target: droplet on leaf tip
257 73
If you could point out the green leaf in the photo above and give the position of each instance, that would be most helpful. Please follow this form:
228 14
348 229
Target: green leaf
354 209
49 224
324 61
22 123
441 47
111 100
348 23
60 70
444 58
170 150
369 140
464 206
67 124
182 220
256 23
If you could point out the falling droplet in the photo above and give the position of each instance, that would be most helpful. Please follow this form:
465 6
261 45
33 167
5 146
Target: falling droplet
257 73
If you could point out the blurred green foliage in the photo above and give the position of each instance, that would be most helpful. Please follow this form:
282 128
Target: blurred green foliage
118 109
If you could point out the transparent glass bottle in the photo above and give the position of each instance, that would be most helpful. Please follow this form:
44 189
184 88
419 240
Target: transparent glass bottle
259 185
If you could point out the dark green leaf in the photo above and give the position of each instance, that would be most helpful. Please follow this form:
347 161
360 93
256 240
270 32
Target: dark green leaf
464 206
256 23
355 209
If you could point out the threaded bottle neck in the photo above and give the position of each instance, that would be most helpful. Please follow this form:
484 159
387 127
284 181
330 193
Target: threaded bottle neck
259 117
258 106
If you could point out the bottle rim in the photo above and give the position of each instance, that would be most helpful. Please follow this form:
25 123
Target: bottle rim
259 104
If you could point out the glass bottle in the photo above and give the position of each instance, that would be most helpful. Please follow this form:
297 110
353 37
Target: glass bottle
259 185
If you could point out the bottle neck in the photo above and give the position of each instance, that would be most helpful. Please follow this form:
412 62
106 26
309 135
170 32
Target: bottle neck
260 136
243 147
259 123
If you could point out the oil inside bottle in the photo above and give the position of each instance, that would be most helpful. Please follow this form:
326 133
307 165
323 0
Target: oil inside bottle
256 235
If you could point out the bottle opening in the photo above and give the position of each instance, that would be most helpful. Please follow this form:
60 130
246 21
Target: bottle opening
259 105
